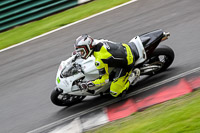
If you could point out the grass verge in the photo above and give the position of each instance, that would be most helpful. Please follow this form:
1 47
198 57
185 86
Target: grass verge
180 115
30 30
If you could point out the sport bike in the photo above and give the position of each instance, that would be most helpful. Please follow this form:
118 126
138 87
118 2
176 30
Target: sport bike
151 58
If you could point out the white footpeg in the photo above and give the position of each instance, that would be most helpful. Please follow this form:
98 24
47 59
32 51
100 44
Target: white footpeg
137 72
133 78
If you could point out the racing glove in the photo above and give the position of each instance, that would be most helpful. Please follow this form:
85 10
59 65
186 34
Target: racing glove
75 55
86 85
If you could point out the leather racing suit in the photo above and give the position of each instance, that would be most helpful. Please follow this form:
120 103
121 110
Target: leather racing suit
117 55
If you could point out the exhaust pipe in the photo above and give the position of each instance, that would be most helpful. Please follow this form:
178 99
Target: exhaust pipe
166 35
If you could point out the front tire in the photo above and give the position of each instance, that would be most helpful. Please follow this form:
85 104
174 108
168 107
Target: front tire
60 99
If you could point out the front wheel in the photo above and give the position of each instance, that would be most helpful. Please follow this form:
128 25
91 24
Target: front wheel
60 99
160 60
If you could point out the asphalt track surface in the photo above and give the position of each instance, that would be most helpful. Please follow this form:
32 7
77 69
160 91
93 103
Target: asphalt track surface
27 72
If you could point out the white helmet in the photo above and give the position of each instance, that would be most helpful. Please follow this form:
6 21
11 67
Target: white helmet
84 45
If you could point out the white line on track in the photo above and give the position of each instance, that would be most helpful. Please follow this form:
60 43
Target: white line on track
68 25
56 123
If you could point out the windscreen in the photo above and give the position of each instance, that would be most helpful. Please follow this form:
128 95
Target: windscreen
69 70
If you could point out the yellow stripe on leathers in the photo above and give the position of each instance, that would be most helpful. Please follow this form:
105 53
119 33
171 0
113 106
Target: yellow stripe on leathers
129 54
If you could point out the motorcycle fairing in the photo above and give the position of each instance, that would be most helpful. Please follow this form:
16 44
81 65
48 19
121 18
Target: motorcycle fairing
140 49
151 40
151 37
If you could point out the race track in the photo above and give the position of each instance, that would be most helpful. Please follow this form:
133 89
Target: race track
27 72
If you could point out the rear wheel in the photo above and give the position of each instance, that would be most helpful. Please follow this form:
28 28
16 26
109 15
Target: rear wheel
160 60
60 99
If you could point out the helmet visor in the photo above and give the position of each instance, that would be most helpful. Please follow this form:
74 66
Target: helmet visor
81 52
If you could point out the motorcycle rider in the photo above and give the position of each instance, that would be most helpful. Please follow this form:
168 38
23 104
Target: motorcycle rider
108 54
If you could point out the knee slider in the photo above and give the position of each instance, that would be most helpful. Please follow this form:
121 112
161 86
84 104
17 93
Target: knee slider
114 94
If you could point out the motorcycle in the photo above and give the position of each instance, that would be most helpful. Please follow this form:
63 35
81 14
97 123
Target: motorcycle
151 58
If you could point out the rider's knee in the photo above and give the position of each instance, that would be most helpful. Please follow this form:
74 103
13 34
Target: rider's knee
116 89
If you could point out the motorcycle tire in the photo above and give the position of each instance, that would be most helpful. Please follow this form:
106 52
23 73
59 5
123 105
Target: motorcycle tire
168 55
71 100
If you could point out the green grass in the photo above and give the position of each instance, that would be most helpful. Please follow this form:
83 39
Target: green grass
180 115
30 30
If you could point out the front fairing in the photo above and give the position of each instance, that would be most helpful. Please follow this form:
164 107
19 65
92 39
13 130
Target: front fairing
89 69
66 83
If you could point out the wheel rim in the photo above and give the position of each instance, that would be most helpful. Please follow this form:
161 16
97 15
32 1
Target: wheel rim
163 58
158 60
